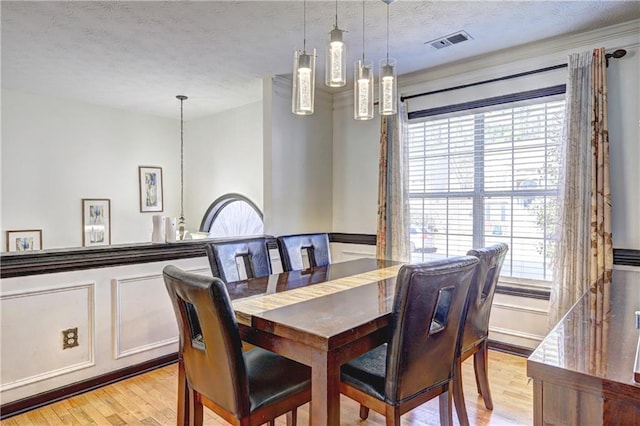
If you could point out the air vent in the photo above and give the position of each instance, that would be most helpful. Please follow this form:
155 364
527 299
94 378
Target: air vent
449 40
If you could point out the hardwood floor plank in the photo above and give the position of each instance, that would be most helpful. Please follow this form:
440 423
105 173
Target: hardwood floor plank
150 399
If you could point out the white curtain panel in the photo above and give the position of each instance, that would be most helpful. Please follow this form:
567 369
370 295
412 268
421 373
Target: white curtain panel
584 250
571 266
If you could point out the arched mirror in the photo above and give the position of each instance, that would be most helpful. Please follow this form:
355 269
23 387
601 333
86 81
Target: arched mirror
232 215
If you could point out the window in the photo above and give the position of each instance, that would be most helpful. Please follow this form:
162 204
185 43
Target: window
232 215
479 177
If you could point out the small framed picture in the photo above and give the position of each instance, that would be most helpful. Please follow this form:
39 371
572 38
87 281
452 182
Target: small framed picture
24 240
151 198
96 222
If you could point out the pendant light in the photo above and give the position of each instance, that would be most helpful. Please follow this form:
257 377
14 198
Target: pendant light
336 67
388 84
181 222
363 84
304 76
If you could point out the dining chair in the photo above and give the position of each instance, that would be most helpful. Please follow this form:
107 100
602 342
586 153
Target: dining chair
293 249
228 258
244 388
417 362
476 327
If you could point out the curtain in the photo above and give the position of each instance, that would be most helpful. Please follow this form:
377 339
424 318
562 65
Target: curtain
393 202
584 248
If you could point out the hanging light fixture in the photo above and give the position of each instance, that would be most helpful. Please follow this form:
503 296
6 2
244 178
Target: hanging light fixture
336 67
388 84
304 76
181 222
363 84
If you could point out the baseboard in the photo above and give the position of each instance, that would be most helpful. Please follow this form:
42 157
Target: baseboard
22 405
510 349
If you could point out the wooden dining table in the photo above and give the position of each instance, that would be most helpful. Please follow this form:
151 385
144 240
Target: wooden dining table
321 317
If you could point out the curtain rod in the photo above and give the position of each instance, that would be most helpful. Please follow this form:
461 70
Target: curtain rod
617 54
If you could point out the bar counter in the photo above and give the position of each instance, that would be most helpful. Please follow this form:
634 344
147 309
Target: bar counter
583 371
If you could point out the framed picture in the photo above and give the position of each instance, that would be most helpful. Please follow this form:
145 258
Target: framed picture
24 240
151 197
96 222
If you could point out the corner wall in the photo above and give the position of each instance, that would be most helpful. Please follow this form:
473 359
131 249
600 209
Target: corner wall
298 172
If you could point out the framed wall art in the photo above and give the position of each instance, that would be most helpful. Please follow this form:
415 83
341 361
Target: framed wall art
151 197
96 222
24 240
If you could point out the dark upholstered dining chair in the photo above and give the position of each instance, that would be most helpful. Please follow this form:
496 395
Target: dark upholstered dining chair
316 247
417 362
252 254
476 327
249 388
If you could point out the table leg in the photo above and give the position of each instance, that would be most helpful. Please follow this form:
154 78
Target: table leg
325 390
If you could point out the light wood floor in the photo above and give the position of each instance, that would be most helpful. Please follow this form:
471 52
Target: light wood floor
150 399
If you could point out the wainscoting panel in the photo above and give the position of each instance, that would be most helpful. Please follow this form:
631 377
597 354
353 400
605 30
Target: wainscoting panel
341 252
143 318
518 321
142 314
31 328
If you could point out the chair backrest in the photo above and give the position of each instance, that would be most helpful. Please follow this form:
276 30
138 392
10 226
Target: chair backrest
483 287
315 246
225 258
213 361
428 311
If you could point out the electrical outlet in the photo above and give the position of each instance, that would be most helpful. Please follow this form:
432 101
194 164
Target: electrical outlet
70 338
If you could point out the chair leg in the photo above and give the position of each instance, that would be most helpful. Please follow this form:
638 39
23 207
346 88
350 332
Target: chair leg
292 417
195 408
475 375
446 412
480 362
458 393
364 412
393 415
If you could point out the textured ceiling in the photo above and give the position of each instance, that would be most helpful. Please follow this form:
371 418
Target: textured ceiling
139 55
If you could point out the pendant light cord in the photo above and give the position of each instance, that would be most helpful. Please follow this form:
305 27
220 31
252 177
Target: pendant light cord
387 33
181 161
336 14
363 32
304 26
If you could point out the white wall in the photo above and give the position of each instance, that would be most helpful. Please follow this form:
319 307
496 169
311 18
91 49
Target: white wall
56 152
297 162
223 153
356 152
356 144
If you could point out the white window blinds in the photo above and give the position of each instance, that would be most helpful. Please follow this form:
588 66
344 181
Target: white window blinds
479 177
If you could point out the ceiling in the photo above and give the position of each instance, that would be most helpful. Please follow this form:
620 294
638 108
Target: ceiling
138 55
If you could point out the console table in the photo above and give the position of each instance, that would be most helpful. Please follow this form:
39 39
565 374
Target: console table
583 372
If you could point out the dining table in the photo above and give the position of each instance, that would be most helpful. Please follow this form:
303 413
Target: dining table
321 317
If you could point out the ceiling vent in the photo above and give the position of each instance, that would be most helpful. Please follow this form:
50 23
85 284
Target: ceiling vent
450 40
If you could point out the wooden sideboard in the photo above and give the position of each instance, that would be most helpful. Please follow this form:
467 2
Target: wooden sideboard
583 371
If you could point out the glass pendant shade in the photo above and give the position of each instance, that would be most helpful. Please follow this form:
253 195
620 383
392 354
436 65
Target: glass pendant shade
336 69
388 87
363 90
304 77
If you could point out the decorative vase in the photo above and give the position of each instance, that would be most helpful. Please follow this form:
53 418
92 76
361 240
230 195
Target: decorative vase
170 229
157 236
